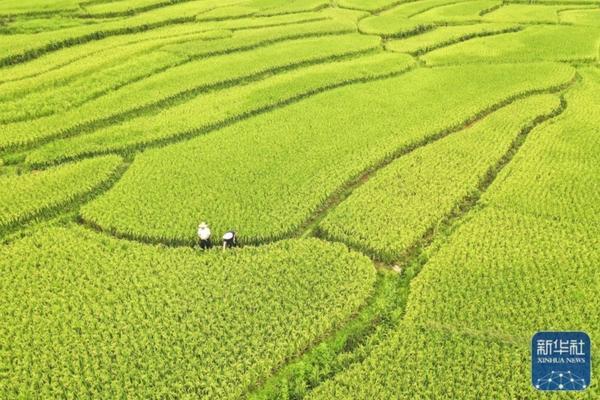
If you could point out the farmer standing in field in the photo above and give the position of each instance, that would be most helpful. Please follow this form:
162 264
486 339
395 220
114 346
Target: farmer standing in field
229 240
204 236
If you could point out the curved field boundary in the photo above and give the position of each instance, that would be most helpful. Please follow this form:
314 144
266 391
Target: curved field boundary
31 54
243 292
373 11
342 192
423 11
184 59
309 227
37 52
129 12
324 359
185 36
22 137
491 9
68 203
39 158
459 39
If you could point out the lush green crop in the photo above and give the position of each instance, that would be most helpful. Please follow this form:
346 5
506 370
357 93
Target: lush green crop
12 8
528 13
22 47
490 279
184 33
25 196
284 7
27 24
182 45
445 36
580 17
533 246
124 7
390 213
418 16
431 362
390 26
138 67
461 11
373 5
84 315
217 178
411 8
557 174
415 186
558 42
529 249
192 78
183 120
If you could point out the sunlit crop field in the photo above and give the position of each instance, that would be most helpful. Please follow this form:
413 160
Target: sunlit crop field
415 188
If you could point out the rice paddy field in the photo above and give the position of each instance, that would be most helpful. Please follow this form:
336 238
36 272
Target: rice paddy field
414 184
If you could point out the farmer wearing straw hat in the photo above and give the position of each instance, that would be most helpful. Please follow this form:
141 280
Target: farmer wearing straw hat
204 236
229 240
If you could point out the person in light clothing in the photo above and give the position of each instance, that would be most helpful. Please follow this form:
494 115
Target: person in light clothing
229 240
204 236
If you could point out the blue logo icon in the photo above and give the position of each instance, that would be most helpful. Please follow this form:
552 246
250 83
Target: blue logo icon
561 361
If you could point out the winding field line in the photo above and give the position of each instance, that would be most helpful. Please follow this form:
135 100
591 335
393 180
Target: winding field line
308 228
34 53
186 60
70 206
93 53
417 256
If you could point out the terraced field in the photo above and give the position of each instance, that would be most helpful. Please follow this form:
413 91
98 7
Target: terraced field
415 186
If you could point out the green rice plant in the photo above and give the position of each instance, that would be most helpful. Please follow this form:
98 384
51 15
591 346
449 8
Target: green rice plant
556 175
524 266
515 266
532 246
190 79
219 178
408 9
107 9
34 193
182 44
20 48
105 58
43 23
373 5
551 43
580 17
395 209
85 315
64 57
38 103
390 26
447 35
242 101
554 2
528 13
184 33
397 21
433 362
33 7
234 11
285 7
88 79
461 11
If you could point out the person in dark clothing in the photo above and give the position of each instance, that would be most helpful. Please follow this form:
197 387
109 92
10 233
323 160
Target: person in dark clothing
229 240
204 236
